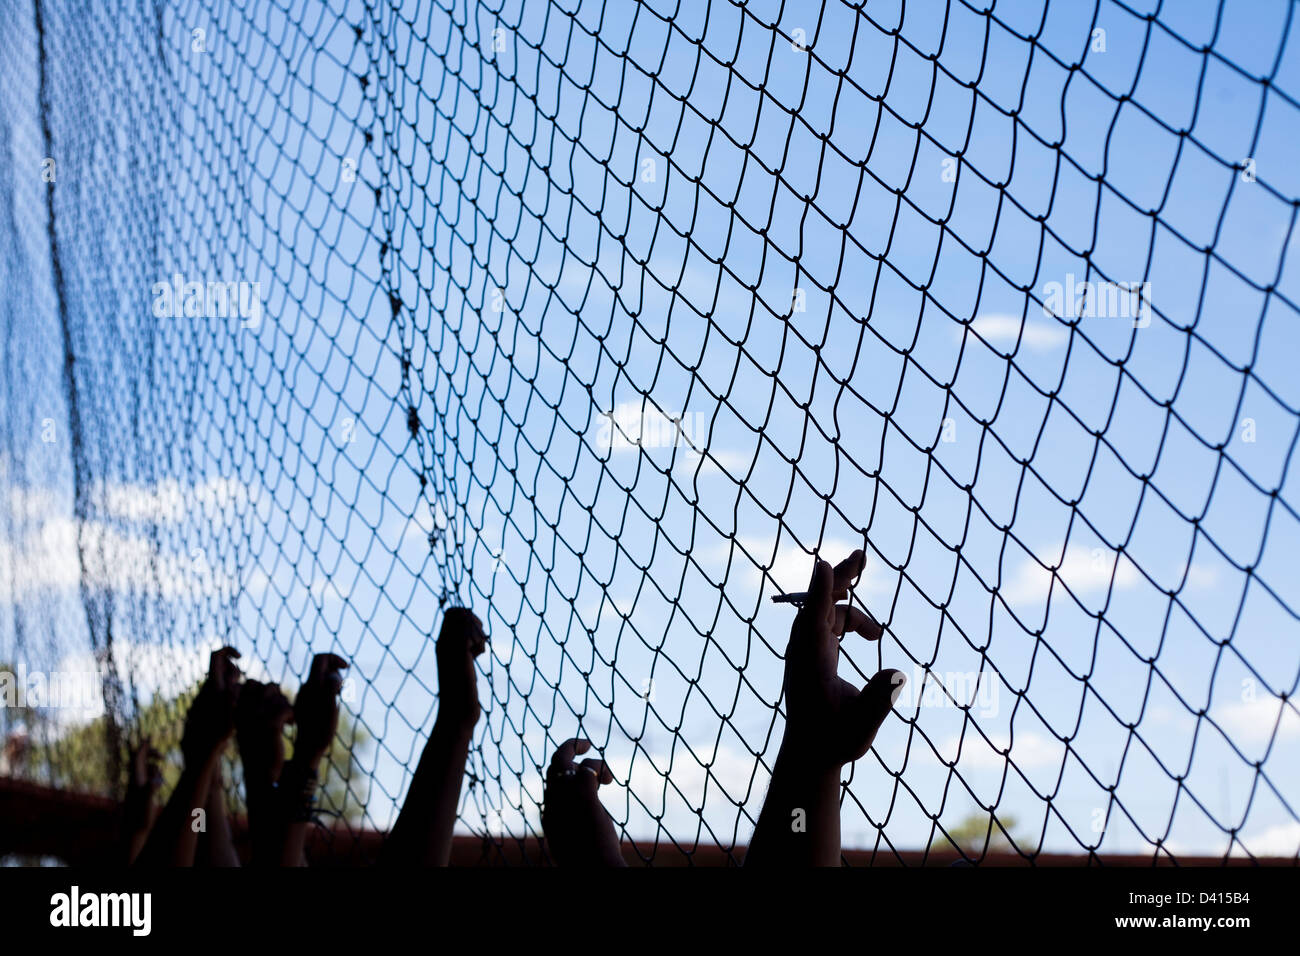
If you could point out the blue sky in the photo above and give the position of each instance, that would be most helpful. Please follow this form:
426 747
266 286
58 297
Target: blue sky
647 189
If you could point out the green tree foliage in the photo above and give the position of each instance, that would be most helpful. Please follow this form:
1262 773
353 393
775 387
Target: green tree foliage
72 758
971 833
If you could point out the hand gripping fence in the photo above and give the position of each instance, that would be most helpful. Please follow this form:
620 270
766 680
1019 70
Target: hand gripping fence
601 318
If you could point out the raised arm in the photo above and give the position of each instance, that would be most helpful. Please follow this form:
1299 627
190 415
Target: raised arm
829 723
316 714
216 842
138 808
579 831
423 831
260 721
208 726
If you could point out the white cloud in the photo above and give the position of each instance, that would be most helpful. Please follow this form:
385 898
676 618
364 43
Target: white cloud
727 781
324 590
636 425
1280 840
150 669
1254 720
415 530
792 566
730 769
256 584
43 557
1001 328
170 501
28 504
1029 750
46 560
1083 570
717 459
1201 577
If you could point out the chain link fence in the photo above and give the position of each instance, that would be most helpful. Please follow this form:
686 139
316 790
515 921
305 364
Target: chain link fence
601 318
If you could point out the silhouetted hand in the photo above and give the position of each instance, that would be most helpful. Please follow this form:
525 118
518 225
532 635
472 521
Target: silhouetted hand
830 721
173 840
316 711
316 715
211 720
579 831
459 642
144 777
146 770
260 720
422 835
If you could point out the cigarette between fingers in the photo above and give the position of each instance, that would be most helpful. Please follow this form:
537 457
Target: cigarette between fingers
800 598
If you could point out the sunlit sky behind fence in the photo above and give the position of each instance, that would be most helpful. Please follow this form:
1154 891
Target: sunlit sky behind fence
826 239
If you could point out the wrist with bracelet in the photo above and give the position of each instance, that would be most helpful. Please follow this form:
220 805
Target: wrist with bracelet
297 793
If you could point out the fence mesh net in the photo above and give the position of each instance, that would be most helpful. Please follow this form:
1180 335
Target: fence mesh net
601 318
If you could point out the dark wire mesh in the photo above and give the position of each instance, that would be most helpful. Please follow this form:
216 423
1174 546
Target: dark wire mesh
601 318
